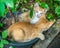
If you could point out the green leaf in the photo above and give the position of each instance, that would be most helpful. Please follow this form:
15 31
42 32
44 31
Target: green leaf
4 33
15 1
50 17
9 3
56 0
38 0
25 1
43 4
58 16
4 41
1 25
6 11
50 4
31 11
15 5
11 47
57 10
14 9
1 45
2 9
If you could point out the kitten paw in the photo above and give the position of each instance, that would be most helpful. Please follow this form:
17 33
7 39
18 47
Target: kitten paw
41 36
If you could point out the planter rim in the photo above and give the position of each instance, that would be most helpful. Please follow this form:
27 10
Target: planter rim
13 43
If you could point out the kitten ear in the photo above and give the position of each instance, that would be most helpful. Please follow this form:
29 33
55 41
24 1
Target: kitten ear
45 10
36 6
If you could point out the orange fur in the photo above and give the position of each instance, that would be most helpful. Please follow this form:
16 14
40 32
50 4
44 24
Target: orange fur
25 31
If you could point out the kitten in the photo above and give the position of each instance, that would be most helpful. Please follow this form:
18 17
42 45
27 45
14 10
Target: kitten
26 31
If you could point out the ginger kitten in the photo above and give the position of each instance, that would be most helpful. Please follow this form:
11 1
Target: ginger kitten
31 28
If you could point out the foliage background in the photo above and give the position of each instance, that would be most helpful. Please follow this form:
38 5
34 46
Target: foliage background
16 5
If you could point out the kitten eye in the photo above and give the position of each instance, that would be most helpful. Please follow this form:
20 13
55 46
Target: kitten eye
41 13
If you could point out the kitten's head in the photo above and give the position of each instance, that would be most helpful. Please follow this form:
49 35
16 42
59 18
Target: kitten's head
38 12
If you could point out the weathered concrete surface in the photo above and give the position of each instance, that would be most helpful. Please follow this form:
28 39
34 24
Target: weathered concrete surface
56 42
50 35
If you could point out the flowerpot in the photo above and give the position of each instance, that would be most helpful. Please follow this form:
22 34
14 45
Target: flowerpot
28 44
